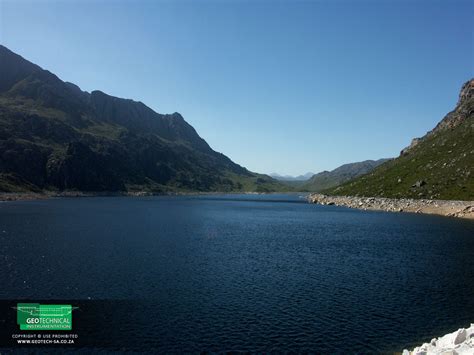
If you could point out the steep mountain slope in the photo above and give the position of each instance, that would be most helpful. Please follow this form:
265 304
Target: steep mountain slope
438 165
53 136
346 172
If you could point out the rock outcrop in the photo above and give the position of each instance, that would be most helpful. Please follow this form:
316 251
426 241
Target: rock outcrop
464 109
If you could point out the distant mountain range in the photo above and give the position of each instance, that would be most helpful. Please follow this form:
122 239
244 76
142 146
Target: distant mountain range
54 136
327 179
439 165
303 177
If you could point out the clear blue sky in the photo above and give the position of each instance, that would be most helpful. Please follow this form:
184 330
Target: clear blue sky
278 86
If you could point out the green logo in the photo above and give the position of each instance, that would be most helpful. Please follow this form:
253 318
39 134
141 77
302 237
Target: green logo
35 316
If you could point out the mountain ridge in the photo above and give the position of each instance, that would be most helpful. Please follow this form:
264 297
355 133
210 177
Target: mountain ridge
54 136
436 166
327 179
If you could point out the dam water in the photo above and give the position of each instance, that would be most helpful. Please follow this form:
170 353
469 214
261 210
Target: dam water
257 273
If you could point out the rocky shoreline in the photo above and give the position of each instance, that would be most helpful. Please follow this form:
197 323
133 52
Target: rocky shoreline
461 209
28 196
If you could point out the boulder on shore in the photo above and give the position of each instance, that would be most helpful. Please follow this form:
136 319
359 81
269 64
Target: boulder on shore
460 342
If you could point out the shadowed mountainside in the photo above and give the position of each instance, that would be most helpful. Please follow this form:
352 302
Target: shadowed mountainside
54 136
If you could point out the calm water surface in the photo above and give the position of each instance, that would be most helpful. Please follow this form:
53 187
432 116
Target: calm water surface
243 272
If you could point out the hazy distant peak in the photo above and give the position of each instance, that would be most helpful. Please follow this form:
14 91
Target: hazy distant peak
291 178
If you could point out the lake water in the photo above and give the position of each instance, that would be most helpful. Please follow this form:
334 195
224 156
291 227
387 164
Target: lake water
240 272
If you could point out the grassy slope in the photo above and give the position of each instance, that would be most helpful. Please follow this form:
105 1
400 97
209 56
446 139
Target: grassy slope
322 183
328 179
445 161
